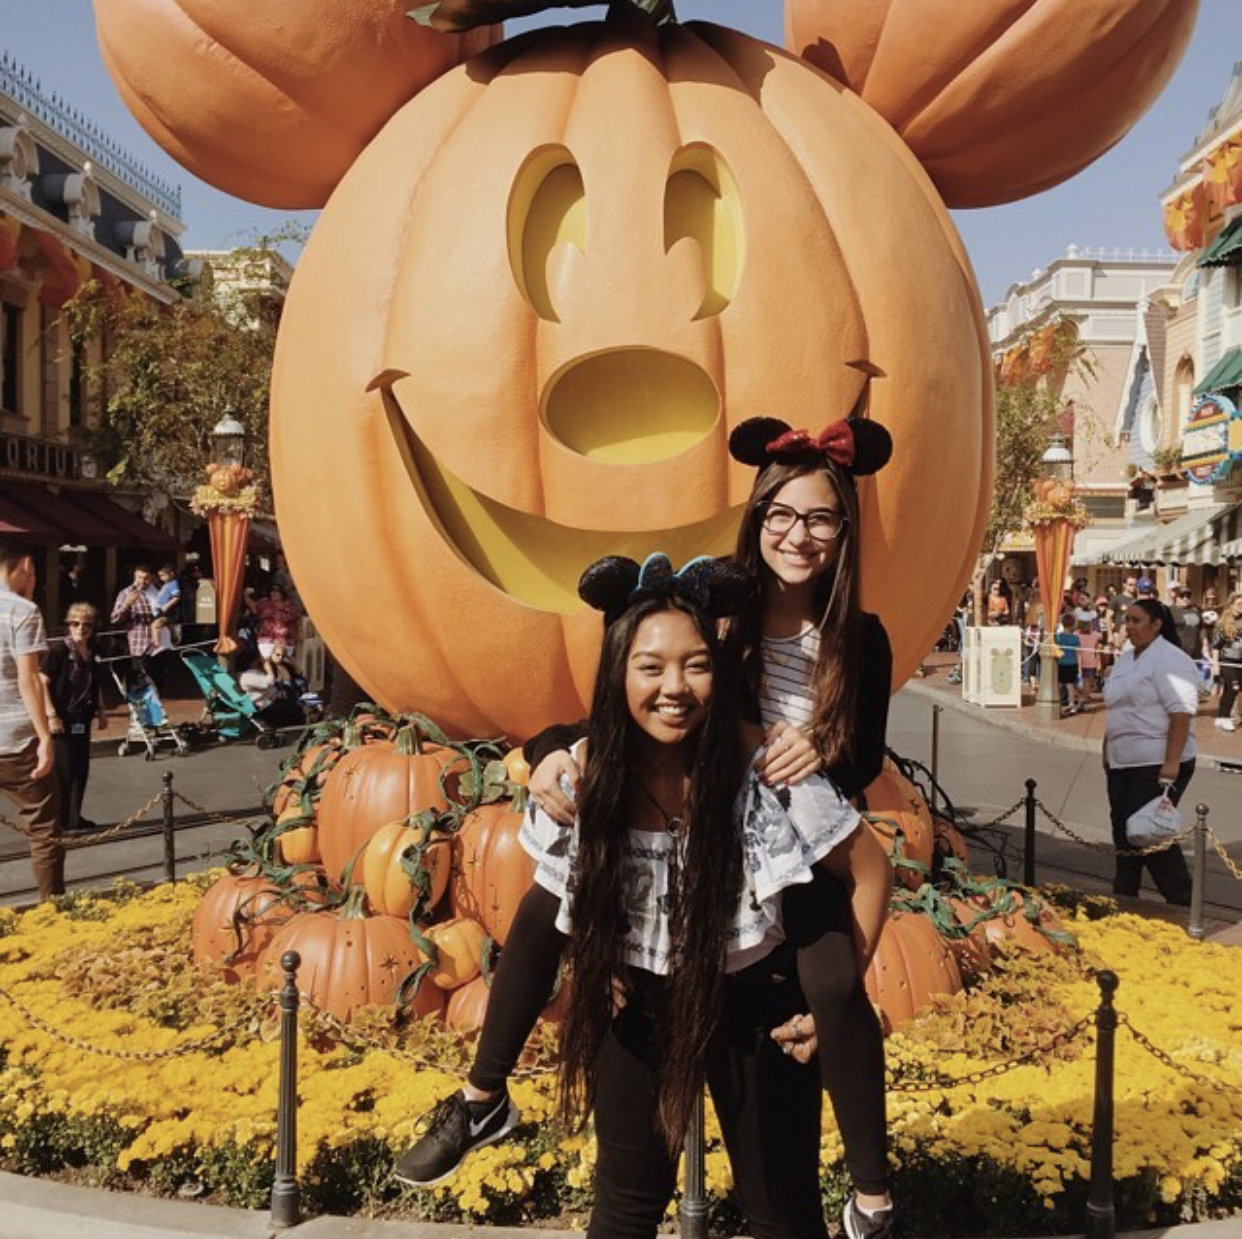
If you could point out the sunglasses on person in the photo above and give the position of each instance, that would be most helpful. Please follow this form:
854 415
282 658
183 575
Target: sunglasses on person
79 624
822 524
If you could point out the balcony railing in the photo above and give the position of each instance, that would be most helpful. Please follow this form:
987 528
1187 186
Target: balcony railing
27 92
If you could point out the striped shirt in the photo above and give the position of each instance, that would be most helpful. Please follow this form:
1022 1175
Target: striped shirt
785 684
21 632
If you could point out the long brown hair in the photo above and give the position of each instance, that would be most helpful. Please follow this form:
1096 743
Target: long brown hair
1228 624
704 887
835 680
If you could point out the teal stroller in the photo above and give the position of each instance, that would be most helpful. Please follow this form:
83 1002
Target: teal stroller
230 711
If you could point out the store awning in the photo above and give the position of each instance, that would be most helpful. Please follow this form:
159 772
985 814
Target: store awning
1226 250
1224 374
133 530
1191 539
48 517
1091 543
1229 535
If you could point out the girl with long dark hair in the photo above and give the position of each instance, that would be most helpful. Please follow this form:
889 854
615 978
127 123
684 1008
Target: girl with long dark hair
816 673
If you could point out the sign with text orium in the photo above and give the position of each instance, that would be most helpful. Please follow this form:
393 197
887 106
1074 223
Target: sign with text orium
39 457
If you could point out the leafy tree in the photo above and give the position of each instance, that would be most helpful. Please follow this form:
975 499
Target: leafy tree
162 376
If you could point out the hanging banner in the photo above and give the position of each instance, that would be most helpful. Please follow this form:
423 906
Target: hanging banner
1212 439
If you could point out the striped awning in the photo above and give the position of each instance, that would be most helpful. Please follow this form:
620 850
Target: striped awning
1200 537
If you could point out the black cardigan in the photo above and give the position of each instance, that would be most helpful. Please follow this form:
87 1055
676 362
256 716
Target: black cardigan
850 776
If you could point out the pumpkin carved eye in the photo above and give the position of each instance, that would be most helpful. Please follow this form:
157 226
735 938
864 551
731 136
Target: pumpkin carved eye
702 204
547 211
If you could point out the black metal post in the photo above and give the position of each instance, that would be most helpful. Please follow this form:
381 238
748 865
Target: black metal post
1101 1212
1028 851
937 710
170 845
286 1196
694 1198
1198 874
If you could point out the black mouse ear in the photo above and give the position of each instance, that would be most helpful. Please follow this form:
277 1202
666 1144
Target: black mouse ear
607 584
730 587
873 446
749 441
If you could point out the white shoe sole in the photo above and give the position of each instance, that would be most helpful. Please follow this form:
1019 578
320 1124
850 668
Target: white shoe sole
511 1121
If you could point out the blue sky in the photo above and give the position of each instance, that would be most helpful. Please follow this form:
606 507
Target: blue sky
1113 203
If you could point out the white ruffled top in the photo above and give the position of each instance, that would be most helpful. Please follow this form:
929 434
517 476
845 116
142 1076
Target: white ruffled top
785 831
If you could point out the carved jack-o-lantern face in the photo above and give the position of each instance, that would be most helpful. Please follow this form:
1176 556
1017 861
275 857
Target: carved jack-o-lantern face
534 309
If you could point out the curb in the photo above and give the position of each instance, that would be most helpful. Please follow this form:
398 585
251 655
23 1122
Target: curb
1031 731
45 1209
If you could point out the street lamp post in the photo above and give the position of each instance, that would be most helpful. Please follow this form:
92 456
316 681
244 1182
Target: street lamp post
1054 517
227 501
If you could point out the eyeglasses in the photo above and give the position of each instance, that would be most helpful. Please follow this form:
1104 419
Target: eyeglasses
822 524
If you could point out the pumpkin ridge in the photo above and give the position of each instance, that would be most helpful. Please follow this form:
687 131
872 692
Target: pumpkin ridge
938 116
894 28
329 120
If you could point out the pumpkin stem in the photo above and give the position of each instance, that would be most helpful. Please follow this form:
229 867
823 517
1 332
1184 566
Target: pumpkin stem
409 742
352 909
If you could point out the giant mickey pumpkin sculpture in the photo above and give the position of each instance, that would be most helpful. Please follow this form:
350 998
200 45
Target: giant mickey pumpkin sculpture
534 309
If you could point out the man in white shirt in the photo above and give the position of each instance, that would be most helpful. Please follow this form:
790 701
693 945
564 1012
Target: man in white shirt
25 736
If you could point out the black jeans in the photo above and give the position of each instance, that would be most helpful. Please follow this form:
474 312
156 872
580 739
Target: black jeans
71 761
1129 789
1230 682
768 1106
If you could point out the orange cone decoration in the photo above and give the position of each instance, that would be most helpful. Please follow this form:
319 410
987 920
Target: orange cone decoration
229 532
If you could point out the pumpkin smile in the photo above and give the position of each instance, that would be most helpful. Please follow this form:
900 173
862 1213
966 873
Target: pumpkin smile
531 559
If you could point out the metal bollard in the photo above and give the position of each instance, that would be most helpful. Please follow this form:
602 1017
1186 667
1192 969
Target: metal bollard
937 710
170 844
1028 852
694 1198
1198 874
286 1195
1101 1212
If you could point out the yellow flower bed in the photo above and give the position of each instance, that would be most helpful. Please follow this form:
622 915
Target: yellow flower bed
1016 1145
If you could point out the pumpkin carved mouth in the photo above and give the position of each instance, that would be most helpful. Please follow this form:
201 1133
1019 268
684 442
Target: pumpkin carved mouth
530 558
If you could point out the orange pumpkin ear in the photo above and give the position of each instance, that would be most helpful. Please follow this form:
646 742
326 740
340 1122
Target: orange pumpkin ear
271 101
1001 99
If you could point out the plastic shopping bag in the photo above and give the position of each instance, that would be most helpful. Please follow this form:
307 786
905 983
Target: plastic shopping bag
1158 821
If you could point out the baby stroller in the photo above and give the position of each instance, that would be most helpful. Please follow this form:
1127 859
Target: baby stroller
148 722
231 712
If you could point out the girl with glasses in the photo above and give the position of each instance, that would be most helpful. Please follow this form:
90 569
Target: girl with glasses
816 674
73 682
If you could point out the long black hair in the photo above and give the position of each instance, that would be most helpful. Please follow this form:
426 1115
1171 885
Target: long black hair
1156 611
706 883
837 614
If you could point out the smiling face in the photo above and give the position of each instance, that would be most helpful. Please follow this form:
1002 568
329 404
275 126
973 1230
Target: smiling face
521 333
803 524
668 677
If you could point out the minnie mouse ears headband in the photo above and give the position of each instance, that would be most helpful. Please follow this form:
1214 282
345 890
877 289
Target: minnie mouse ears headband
857 444
614 584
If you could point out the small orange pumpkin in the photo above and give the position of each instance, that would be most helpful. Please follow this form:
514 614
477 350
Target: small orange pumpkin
390 890
891 805
307 82
491 870
459 945
974 951
912 964
300 844
349 960
999 99
236 919
467 1005
374 784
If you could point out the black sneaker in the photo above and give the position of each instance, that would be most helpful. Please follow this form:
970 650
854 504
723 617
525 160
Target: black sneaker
456 1127
857 1225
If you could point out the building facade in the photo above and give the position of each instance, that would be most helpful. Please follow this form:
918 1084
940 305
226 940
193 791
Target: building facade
1104 294
74 207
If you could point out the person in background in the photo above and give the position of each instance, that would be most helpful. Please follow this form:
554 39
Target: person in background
167 609
73 587
1088 659
25 735
1227 660
1149 742
1032 638
998 605
1067 664
136 607
1146 588
1118 604
278 621
187 615
73 677
1209 616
